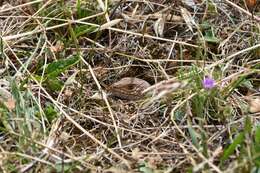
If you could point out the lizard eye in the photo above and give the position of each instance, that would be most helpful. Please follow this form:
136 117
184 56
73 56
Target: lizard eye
130 86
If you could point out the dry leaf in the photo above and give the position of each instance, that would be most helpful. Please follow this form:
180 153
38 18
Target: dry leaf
64 136
169 17
6 99
188 18
110 24
190 3
4 94
136 154
135 10
97 96
159 26
59 46
71 79
251 4
254 105
10 104
2 70
68 93
101 4
154 162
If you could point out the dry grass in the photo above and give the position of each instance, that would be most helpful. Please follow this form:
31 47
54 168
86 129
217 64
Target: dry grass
60 109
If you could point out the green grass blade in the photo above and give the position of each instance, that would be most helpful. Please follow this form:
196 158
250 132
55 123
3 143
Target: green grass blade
231 148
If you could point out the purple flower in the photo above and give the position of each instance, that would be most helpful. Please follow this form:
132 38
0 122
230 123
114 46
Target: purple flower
208 82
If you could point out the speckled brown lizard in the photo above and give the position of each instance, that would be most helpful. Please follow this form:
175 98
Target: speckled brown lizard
127 88
125 94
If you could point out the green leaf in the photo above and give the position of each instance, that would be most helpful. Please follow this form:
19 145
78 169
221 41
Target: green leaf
194 136
78 6
256 148
82 10
257 135
247 83
248 125
178 115
198 105
65 167
231 148
212 9
84 29
57 67
50 112
54 84
210 37
1 48
229 89
205 25
38 77
208 33
145 169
